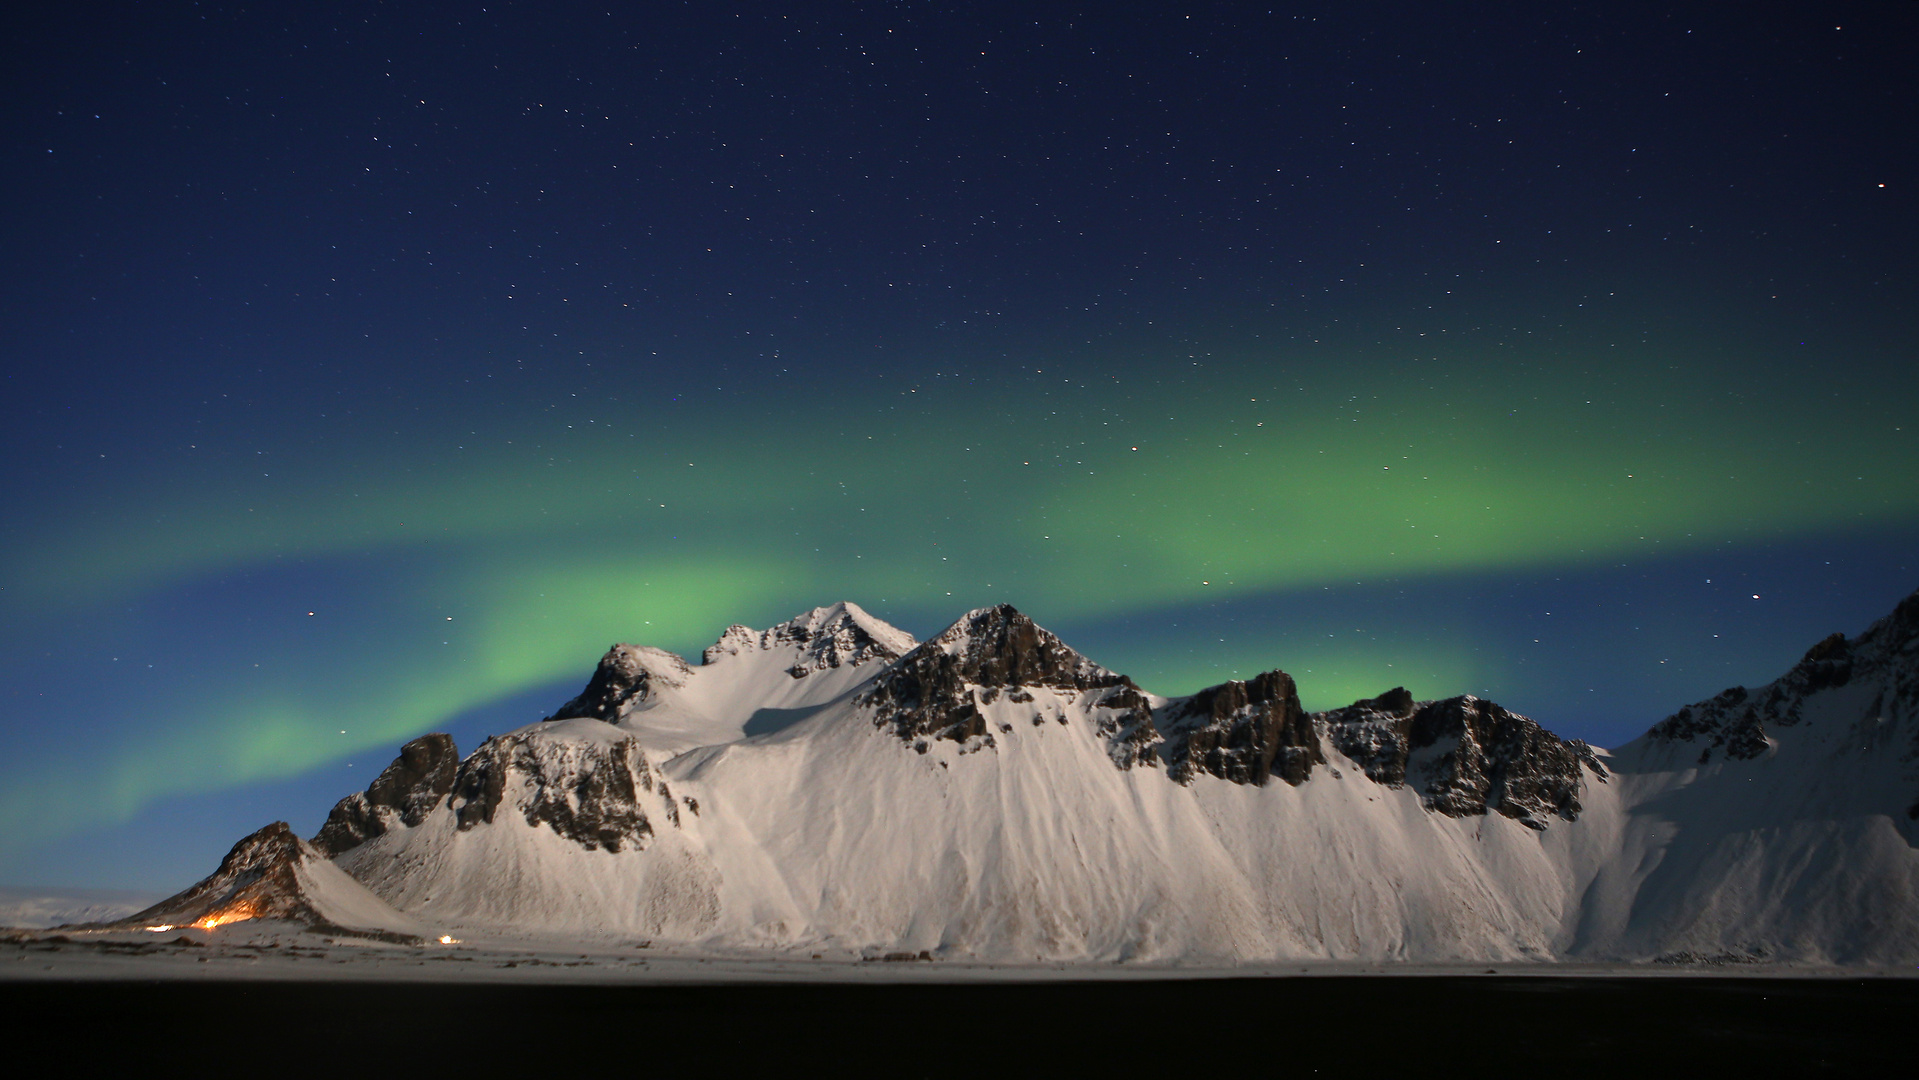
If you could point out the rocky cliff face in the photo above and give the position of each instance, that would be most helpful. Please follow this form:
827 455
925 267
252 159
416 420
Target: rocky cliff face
625 677
1465 756
1245 732
937 690
587 791
404 793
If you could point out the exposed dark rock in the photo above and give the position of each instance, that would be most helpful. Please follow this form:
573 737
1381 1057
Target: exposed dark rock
936 690
1243 732
1124 718
406 791
1465 756
588 792
622 679
1492 759
1373 732
1832 645
1748 955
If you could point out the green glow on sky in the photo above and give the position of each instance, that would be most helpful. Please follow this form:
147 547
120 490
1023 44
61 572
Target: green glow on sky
1103 493
1242 480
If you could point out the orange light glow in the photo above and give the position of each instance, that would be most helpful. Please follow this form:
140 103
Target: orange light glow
239 912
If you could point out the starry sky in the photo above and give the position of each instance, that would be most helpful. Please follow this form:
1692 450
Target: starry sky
370 369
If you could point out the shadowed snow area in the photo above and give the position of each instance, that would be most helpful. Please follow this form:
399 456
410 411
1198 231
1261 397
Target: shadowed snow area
53 907
990 795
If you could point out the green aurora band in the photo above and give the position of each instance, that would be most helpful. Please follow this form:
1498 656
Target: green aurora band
1076 494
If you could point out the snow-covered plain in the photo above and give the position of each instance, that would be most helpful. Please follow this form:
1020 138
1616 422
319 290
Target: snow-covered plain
263 950
829 794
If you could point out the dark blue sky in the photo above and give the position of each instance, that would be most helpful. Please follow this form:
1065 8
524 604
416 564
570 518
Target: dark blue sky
369 370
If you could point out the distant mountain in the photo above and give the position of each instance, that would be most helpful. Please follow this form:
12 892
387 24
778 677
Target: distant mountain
993 794
55 907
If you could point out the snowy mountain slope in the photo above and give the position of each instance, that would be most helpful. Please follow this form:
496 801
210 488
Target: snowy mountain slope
992 793
747 683
1777 820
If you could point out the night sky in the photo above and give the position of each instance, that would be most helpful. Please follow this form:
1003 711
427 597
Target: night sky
370 371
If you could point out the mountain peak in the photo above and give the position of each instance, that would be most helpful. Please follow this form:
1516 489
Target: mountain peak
273 874
937 689
1001 646
836 635
626 676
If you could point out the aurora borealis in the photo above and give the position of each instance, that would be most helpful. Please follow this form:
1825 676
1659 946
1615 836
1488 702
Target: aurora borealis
370 372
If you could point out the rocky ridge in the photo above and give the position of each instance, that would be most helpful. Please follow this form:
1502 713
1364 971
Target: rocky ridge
586 790
1244 732
1462 755
937 690
1736 721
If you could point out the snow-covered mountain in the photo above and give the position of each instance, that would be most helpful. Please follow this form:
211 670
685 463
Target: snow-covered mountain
991 793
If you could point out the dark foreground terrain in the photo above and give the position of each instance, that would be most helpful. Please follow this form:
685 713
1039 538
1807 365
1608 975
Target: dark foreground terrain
1627 1027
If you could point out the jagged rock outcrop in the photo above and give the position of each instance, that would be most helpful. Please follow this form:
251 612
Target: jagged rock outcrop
1735 721
827 637
587 791
1375 734
937 690
624 678
273 874
405 792
1242 731
1465 756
